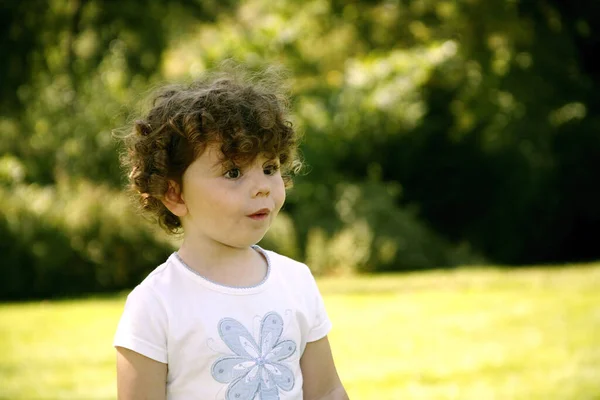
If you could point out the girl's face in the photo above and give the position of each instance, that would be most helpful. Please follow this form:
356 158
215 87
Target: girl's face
230 205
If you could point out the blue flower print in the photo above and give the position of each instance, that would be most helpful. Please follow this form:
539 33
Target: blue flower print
255 368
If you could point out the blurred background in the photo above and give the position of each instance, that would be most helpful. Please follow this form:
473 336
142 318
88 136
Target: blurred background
438 134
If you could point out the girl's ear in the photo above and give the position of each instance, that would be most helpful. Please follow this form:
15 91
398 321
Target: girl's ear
174 201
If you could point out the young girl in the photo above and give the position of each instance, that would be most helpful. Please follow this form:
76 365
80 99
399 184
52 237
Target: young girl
222 318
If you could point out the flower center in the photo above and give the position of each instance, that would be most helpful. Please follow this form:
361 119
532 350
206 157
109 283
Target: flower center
260 361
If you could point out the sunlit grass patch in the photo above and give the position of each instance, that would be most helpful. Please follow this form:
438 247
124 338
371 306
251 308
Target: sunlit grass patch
461 334
469 334
58 350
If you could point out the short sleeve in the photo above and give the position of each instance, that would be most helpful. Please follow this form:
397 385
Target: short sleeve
322 324
143 325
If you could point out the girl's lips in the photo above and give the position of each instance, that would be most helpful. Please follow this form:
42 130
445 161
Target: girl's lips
258 217
260 214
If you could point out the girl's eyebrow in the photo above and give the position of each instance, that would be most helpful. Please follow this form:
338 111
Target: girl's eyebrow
272 161
220 166
222 162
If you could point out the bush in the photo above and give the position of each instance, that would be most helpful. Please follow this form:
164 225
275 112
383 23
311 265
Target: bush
73 238
359 227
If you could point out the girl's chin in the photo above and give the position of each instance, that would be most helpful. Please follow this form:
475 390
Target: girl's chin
244 243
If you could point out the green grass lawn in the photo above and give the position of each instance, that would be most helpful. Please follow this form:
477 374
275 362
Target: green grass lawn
465 334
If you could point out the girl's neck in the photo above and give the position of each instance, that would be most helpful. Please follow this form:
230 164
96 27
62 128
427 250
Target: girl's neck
224 264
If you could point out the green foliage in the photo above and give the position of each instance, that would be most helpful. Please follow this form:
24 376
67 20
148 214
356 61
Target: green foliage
467 105
451 130
362 229
72 238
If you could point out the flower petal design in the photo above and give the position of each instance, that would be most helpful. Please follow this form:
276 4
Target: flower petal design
270 331
245 365
252 374
272 369
227 369
243 389
268 393
249 347
281 375
282 351
255 369
266 379
237 338
266 344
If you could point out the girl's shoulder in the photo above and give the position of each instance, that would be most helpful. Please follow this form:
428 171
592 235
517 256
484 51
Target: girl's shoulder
156 281
286 265
158 273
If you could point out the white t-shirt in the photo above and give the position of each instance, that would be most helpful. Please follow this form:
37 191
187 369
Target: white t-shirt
224 342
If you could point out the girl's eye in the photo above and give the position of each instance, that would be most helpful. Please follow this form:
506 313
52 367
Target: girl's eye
271 169
233 173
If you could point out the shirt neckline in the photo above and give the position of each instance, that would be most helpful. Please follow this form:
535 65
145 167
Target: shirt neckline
223 288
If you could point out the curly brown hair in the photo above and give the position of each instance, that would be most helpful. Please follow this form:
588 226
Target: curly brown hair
247 115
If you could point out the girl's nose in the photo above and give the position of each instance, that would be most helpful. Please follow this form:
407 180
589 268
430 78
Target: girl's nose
260 184
263 191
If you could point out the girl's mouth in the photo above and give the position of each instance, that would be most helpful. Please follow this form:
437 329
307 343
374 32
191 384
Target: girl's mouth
260 214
